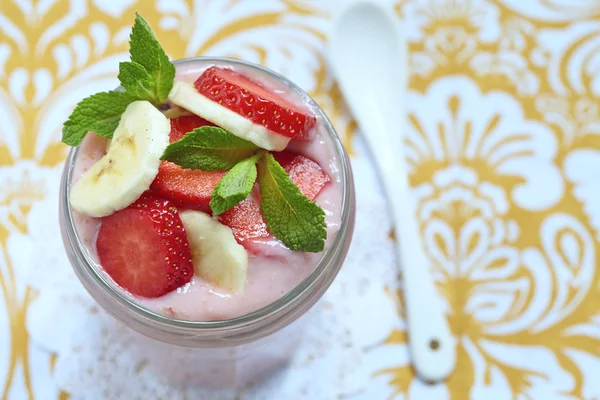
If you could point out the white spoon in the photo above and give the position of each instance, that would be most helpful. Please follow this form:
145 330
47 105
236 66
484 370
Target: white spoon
368 55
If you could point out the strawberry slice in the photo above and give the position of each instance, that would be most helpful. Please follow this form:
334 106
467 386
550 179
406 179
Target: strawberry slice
184 124
245 219
304 172
144 248
253 101
190 188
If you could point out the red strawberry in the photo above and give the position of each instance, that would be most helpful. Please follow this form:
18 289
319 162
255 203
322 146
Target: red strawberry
189 188
184 124
304 172
251 100
245 219
144 248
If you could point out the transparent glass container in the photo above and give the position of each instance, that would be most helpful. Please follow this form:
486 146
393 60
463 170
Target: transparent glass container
226 353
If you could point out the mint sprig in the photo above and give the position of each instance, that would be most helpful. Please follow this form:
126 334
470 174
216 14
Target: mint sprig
290 216
100 112
137 81
148 76
235 186
209 148
146 51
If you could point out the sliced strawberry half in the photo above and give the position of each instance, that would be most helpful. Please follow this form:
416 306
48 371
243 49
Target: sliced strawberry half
246 220
190 188
144 248
251 100
304 172
184 124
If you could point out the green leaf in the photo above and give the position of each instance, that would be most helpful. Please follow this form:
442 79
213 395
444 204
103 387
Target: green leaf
235 186
100 112
290 216
209 148
137 81
145 50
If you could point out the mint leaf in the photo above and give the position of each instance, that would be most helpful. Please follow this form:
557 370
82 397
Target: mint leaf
137 81
235 186
100 112
145 50
209 148
290 216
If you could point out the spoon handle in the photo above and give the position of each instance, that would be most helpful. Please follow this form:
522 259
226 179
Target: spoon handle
431 343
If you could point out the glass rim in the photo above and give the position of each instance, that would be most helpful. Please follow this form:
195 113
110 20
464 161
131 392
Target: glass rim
281 307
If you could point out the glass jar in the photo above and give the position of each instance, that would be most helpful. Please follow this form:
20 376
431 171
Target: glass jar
225 353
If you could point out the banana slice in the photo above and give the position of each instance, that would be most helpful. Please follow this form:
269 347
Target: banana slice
130 165
216 255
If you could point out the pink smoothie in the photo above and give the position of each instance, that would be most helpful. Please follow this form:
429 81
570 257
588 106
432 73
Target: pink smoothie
272 273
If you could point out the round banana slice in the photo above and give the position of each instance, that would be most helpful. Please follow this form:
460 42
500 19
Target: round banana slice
130 165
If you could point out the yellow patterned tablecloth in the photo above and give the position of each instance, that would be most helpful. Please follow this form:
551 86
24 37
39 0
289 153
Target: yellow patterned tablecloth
504 108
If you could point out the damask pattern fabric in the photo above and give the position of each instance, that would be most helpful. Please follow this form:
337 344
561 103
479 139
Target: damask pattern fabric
503 144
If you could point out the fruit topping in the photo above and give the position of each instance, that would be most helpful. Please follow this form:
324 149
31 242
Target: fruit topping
246 220
304 172
130 165
217 257
184 124
190 188
185 95
144 248
223 128
253 101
